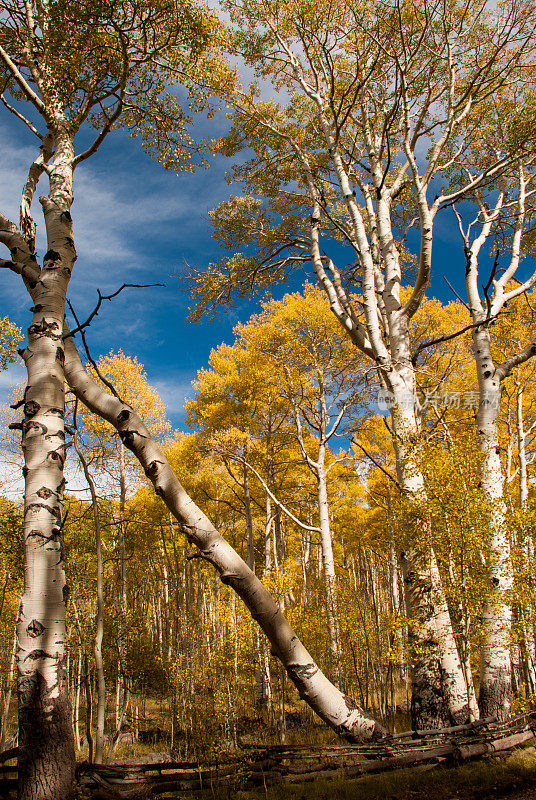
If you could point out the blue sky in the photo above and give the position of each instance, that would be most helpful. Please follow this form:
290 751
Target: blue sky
136 223
133 223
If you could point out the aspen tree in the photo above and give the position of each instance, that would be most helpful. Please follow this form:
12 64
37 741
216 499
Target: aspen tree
485 305
64 65
49 759
317 367
337 710
367 117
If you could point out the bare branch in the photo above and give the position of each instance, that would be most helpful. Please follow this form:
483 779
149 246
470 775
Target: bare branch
371 458
504 370
102 297
448 337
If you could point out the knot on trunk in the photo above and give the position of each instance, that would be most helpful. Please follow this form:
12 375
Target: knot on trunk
52 256
300 674
227 577
44 493
127 437
31 425
53 511
35 629
55 455
123 416
38 655
31 408
152 469
57 411
45 328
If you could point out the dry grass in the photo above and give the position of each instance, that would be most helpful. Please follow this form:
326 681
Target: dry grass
504 777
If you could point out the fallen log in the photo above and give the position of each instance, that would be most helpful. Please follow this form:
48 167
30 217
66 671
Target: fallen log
268 765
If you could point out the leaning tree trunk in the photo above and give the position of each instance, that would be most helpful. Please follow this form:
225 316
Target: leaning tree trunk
439 691
495 697
337 710
46 743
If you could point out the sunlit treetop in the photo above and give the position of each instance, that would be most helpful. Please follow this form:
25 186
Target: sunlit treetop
106 63
406 107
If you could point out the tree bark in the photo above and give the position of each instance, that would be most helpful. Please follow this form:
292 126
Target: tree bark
46 742
495 666
330 578
249 520
527 554
439 691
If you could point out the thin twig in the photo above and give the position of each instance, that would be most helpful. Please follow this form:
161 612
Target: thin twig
451 287
385 472
450 336
108 297
91 359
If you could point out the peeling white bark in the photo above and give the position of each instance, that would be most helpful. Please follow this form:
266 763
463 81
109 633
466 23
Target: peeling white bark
45 730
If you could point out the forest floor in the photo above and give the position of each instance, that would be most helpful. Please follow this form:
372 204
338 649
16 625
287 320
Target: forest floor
507 778
510 777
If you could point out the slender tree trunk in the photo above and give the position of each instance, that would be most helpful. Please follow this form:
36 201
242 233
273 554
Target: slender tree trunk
268 560
396 603
527 554
330 578
249 521
89 710
78 687
495 667
99 620
337 710
9 692
122 571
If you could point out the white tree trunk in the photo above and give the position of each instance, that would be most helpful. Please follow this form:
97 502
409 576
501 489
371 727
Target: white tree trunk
527 555
439 691
337 710
330 578
495 667
249 521
46 742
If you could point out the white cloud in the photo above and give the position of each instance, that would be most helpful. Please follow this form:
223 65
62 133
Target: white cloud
122 212
174 392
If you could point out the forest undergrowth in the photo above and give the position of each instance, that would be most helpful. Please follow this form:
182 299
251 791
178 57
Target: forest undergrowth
512 777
